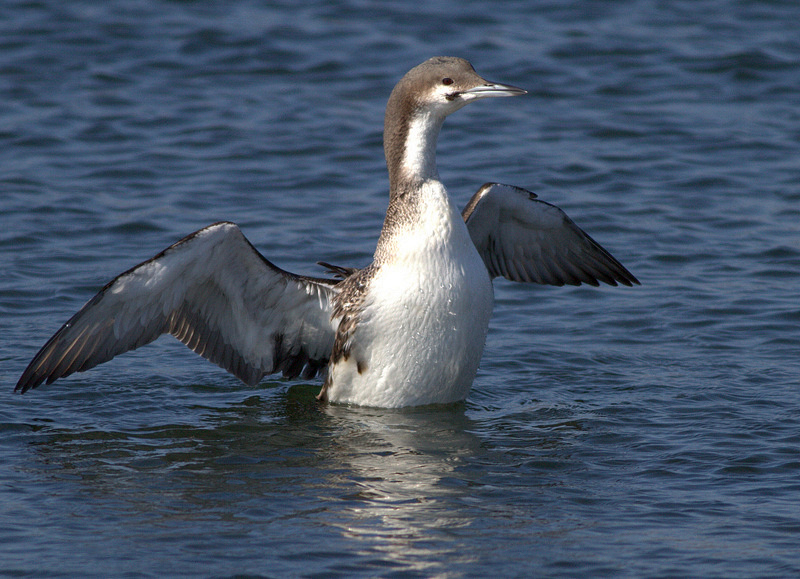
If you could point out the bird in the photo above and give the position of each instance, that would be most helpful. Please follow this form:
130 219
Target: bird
408 329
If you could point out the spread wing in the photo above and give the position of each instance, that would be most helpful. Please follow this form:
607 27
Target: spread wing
215 293
524 239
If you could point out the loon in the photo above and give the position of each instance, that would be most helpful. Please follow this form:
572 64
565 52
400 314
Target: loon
408 329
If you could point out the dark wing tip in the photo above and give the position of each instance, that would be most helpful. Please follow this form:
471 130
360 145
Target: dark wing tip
44 366
615 274
597 263
27 382
630 280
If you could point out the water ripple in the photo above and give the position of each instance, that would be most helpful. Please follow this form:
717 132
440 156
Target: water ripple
640 432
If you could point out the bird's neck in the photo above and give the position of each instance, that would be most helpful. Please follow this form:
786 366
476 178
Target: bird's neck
409 142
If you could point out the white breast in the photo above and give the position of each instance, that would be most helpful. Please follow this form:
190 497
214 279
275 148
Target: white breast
423 327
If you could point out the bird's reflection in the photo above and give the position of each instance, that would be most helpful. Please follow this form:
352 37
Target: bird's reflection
384 480
404 467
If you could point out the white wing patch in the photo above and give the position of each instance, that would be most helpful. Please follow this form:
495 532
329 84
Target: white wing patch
215 293
524 239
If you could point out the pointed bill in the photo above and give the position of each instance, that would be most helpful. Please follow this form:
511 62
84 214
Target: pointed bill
492 89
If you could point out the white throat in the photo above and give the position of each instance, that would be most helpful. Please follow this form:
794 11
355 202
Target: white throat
419 155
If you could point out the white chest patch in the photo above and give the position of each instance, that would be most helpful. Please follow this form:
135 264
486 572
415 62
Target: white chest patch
423 327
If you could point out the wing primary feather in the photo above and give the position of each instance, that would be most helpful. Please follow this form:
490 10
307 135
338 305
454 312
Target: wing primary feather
214 292
524 239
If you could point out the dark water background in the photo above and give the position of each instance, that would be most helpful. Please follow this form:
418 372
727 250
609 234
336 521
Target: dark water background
652 431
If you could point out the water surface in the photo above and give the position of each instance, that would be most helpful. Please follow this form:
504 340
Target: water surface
650 431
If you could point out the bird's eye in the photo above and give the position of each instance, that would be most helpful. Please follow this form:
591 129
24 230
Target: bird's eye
447 81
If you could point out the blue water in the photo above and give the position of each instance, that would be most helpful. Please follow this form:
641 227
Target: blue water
650 431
